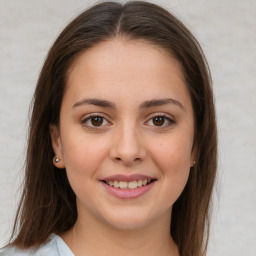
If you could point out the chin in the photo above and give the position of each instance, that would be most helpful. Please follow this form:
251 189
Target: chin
128 225
129 220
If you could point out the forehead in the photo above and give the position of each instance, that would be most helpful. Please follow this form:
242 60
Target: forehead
129 66
125 53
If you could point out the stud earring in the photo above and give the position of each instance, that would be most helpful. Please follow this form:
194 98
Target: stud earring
56 159
192 166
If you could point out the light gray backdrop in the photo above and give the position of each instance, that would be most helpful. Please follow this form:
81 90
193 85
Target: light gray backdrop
226 30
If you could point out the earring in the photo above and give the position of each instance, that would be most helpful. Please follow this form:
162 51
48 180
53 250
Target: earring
56 159
57 162
192 166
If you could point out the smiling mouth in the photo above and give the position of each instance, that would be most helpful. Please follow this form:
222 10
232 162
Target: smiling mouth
129 185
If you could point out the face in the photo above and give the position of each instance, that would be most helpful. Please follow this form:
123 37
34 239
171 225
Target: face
126 133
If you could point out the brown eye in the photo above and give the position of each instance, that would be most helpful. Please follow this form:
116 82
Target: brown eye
158 120
97 120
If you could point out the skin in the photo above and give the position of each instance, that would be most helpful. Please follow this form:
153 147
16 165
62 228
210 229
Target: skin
126 73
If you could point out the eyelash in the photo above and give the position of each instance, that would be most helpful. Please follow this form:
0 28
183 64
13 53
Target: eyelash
167 119
88 118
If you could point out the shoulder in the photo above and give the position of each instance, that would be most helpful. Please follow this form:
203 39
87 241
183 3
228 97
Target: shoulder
50 248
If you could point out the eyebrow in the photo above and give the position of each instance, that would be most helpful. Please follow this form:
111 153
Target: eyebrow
96 102
146 104
161 102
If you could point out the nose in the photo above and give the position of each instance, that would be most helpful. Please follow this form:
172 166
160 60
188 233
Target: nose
127 147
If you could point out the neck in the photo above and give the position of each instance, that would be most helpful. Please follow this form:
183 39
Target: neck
97 238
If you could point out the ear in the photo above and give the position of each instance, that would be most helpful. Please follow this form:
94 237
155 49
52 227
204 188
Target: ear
193 156
57 146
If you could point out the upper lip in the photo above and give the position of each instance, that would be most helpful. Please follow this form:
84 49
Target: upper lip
132 177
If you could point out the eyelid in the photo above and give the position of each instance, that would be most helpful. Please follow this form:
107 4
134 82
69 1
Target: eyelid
168 117
164 114
87 117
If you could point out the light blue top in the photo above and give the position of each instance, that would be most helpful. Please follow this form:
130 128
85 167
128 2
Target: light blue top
55 246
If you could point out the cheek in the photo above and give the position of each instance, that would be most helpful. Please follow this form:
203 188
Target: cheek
173 155
82 160
82 157
173 160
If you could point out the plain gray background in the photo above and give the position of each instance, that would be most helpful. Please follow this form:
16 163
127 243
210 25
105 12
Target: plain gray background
226 30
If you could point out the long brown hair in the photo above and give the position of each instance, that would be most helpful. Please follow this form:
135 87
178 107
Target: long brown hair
48 203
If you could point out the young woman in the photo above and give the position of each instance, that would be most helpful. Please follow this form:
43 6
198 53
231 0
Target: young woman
122 149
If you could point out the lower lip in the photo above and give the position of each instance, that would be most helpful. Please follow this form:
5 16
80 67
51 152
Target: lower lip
128 193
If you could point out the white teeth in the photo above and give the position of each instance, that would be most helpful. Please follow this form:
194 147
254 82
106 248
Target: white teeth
144 182
123 184
139 183
116 184
130 185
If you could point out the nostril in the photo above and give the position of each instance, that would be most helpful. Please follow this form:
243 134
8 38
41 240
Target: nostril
120 159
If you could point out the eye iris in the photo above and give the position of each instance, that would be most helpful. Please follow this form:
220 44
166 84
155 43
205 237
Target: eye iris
158 121
96 121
